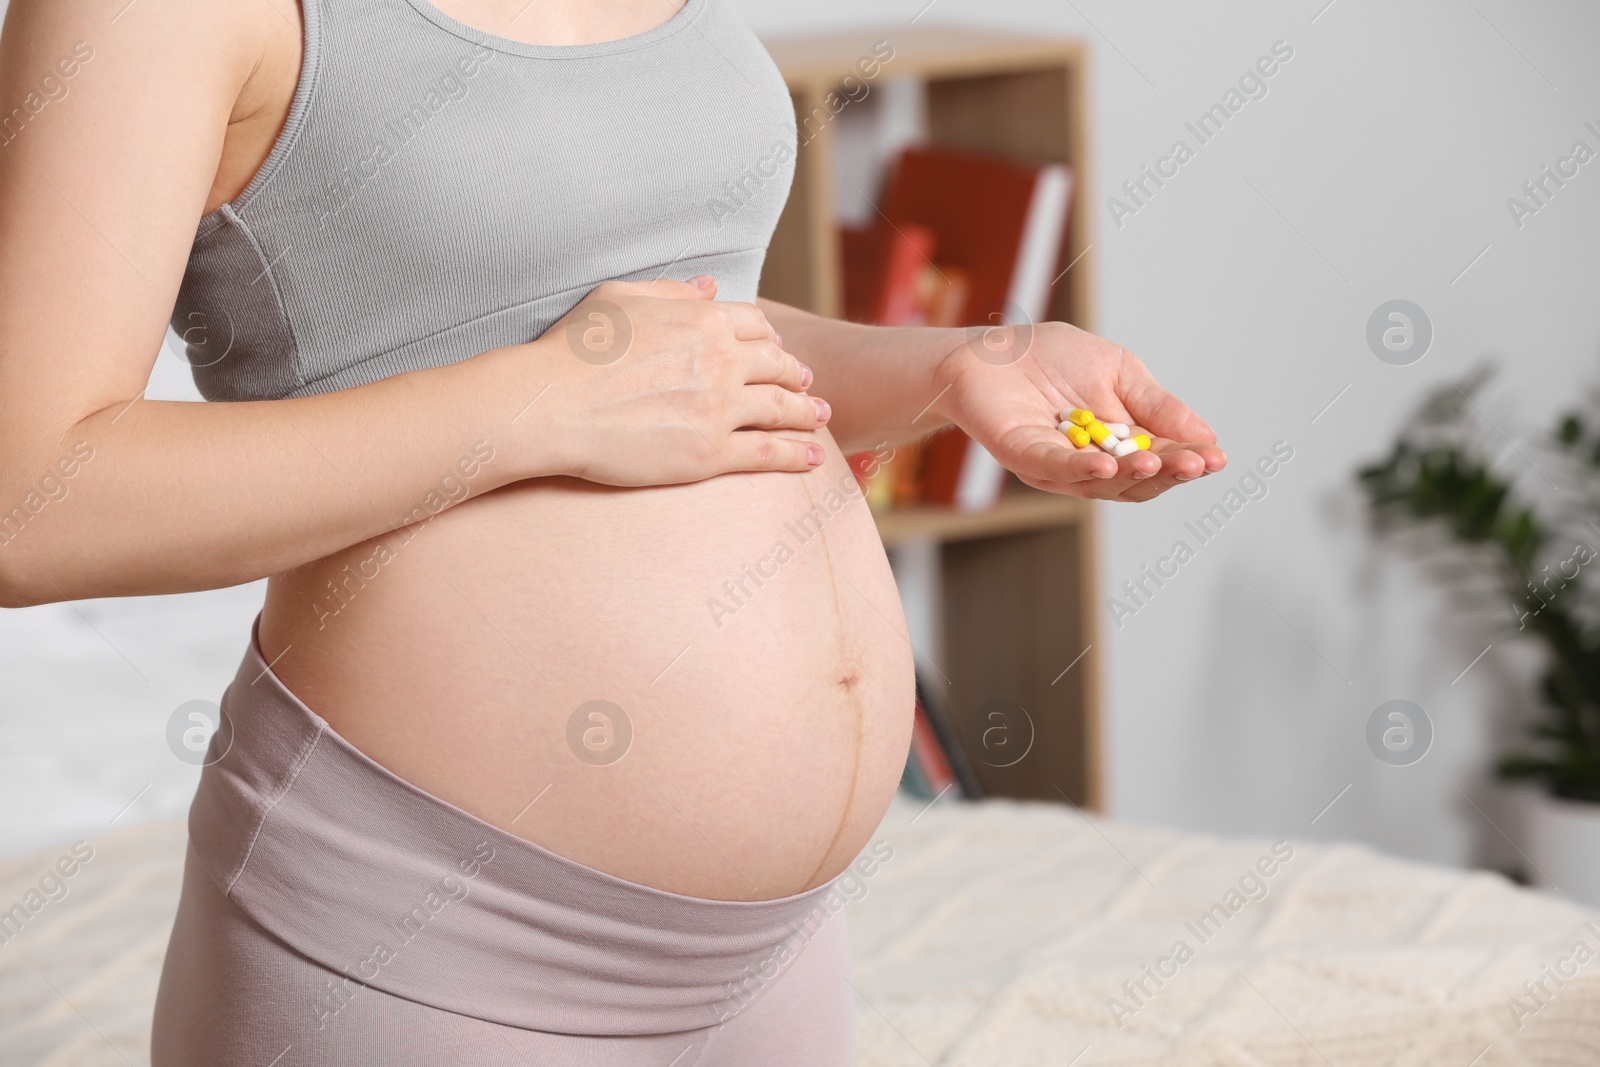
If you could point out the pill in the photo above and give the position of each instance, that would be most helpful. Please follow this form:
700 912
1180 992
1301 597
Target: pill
1124 448
1141 439
1111 444
1078 416
1118 429
1064 426
1097 432
1078 436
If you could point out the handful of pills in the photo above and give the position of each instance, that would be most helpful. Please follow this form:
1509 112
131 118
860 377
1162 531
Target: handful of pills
1083 430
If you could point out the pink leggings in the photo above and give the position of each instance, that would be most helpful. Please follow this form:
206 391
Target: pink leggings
333 913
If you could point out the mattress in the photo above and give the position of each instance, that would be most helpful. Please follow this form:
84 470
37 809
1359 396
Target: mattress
999 933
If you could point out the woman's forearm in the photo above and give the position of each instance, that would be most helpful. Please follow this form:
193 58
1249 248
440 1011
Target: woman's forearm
162 497
878 379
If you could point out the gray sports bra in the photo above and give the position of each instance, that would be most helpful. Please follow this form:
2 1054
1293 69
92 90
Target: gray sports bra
438 191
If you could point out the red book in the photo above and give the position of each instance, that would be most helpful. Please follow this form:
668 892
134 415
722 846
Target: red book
942 457
958 472
881 266
1000 221
1000 224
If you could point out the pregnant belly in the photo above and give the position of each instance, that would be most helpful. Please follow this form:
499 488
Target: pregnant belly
702 688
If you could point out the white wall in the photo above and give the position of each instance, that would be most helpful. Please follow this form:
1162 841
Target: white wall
1387 147
1389 144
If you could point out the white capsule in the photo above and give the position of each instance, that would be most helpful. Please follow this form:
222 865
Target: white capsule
1124 448
1064 426
1111 444
1118 429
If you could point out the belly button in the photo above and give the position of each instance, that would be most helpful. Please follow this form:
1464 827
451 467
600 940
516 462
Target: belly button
848 680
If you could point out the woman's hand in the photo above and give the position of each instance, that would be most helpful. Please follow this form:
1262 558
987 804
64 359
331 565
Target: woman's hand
1007 386
654 383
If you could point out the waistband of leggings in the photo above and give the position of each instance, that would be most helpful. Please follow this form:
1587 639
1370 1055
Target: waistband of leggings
394 888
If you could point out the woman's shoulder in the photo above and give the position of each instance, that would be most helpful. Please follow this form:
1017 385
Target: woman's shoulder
114 118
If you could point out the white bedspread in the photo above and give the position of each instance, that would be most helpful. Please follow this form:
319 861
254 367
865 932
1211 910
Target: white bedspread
997 934
1001 932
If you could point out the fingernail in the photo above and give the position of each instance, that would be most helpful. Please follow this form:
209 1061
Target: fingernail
814 455
702 281
823 410
1138 474
805 376
778 337
1184 477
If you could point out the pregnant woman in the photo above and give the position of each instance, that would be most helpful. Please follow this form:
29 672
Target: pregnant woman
552 737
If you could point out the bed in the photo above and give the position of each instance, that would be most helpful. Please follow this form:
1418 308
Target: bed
1005 933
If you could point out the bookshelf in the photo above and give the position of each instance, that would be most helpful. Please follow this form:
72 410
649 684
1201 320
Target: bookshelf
1019 583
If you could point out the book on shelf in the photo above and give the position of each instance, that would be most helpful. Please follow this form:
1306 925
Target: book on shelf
963 239
882 270
937 765
1000 221
959 473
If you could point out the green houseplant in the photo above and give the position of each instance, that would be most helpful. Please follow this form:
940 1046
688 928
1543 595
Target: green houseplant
1524 546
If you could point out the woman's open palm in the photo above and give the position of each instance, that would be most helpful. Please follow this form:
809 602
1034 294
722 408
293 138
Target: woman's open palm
1008 385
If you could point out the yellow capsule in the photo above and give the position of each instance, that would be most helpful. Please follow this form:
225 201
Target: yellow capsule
1142 440
1080 416
1097 431
1078 436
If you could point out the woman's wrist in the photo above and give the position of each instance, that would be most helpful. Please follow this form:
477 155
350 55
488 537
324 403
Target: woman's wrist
947 351
884 382
908 398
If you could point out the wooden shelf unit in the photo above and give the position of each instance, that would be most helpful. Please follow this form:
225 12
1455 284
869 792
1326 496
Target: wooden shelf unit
1020 583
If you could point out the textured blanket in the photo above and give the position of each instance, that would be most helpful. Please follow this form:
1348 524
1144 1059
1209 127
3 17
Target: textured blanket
1027 934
